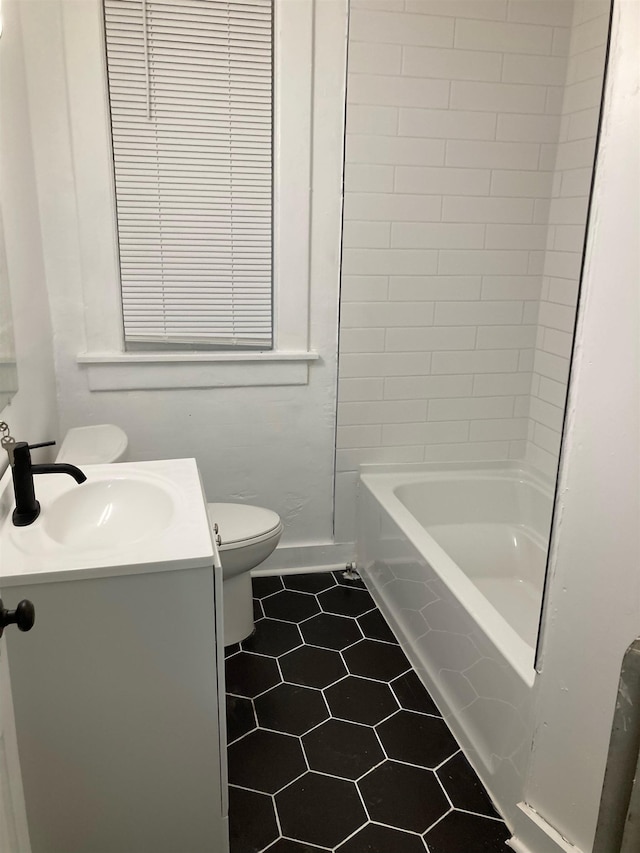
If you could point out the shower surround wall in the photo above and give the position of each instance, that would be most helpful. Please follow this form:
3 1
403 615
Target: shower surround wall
565 236
454 114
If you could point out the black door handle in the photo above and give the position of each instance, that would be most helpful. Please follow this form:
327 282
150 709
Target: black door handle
23 616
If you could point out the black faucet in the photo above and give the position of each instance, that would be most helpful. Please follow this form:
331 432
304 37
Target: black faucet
27 507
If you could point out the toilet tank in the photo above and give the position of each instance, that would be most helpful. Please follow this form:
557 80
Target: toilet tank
94 445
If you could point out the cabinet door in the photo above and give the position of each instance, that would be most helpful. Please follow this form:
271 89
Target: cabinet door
116 709
14 835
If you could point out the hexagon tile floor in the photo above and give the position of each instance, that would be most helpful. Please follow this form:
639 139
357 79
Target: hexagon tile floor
334 744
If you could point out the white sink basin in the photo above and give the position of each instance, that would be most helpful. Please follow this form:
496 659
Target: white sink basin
100 514
129 517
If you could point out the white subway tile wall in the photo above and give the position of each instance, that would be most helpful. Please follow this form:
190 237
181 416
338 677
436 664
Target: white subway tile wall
566 231
470 136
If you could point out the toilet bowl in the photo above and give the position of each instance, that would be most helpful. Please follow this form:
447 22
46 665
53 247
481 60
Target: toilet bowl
248 534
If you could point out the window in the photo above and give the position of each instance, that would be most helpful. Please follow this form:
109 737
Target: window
109 360
190 92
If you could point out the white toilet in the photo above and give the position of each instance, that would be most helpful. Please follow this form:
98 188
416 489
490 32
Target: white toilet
247 534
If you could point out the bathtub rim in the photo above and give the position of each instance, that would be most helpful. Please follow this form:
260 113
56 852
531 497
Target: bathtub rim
382 480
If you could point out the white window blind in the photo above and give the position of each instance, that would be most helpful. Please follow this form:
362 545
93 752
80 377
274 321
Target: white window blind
190 89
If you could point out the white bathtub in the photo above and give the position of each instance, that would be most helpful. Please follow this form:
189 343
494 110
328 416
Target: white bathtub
455 558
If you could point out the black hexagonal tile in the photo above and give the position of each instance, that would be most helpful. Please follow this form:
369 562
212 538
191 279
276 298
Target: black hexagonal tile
312 667
453 833
290 606
372 659
250 675
252 821
272 637
360 700
404 797
321 806
265 761
374 627
346 601
264 586
381 839
342 749
320 810
463 786
412 694
356 582
286 845
309 581
240 717
290 708
330 632
417 739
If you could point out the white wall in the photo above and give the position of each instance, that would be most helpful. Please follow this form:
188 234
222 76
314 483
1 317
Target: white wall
32 415
593 610
452 128
265 445
565 235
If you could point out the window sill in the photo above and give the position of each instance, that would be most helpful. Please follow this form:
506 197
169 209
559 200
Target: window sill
117 371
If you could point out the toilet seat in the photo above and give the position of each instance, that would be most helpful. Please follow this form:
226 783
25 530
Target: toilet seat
240 525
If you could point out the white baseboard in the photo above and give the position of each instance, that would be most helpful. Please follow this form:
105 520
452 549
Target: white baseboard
316 557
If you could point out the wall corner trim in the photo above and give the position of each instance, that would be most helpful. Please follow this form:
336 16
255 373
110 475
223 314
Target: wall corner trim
540 836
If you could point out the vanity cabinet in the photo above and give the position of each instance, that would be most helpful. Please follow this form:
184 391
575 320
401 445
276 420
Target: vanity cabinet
118 689
116 697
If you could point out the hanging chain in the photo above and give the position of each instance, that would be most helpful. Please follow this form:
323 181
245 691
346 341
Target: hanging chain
7 441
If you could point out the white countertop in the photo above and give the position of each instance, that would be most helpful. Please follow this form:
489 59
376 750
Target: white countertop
29 555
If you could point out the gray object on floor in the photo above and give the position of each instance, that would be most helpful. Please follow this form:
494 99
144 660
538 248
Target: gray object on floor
618 829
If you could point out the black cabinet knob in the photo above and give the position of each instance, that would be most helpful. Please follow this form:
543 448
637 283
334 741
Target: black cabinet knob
23 616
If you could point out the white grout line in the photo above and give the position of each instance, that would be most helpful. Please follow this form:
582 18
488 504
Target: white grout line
384 719
275 811
384 751
288 621
355 832
313 728
277 660
299 776
250 790
371 769
442 763
479 814
364 805
273 657
364 678
296 841
444 790
268 595
435 823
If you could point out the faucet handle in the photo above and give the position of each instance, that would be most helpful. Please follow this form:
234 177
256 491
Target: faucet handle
8 442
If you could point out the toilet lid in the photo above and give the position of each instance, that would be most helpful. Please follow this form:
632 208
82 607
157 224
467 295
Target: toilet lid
93 445
238 522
